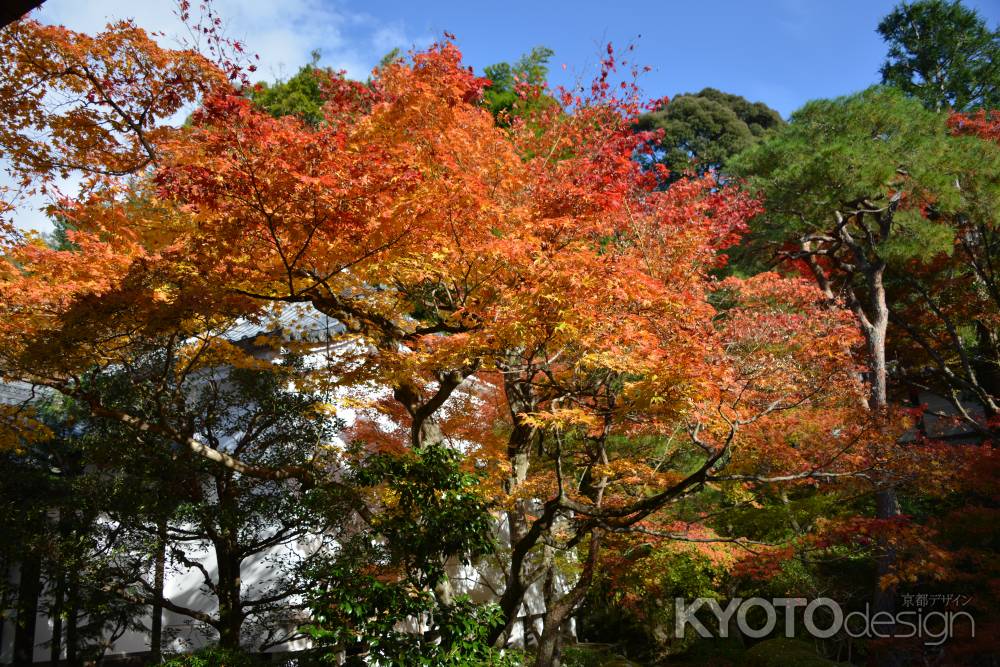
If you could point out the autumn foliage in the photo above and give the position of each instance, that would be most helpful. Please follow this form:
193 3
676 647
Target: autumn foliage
527 293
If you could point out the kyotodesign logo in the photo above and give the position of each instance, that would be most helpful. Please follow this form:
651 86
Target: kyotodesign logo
821 618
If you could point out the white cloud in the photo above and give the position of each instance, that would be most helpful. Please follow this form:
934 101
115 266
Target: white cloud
282 33
389 37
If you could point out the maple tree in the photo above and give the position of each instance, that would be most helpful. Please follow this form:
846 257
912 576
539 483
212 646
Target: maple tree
524 292
93 103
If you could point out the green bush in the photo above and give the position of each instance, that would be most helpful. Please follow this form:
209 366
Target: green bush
213 656
782 651
593 656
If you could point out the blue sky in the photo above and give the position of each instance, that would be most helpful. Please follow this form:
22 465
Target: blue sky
782 52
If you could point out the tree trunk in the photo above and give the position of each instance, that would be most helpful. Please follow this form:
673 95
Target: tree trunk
886 507
156 624
886 503
58 608
56 613
988 368
550 648
557 613
550 644
874 324
523 536
28 591
228 591
72 611
878 400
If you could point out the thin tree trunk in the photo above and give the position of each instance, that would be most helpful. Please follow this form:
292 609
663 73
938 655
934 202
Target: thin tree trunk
28 591
989 367
886 502
557 613
874 324
549 649
156 625
523 536
72 612
55 652
228 591
549 644
58 609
